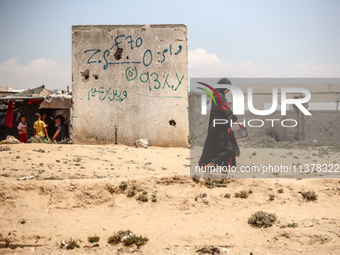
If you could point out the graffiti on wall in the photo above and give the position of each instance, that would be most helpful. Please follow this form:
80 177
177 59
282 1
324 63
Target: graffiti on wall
152 80
107 57
109 94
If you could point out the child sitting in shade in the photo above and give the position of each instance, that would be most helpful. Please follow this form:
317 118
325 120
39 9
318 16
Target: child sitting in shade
22 128
40 127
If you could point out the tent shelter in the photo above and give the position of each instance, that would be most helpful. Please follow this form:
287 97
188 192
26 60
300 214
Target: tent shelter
30 101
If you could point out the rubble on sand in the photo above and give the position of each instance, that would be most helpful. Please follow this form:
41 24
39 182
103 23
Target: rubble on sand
142 143
10 140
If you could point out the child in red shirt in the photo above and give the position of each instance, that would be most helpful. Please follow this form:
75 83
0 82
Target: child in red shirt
22 128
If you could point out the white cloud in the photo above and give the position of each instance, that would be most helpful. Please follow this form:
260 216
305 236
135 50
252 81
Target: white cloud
204 64
36 73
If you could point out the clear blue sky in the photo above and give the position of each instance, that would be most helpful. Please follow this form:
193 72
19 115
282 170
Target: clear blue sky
278 38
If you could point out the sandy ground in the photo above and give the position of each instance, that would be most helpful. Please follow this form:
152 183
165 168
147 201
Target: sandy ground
75 193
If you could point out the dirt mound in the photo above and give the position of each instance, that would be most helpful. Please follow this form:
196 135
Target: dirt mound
82 191
177 179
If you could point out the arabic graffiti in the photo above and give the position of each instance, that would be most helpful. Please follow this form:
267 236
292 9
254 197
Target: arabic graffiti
170 52
152 79
131 73
109 94
113 55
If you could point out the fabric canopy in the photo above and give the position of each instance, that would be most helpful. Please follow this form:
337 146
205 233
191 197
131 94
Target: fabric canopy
57 102
9 115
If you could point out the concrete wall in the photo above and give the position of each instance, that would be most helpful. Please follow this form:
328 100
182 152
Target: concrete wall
322 126
130 82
